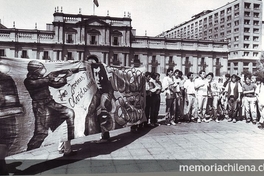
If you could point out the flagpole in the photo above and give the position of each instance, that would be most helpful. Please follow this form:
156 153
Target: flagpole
93 9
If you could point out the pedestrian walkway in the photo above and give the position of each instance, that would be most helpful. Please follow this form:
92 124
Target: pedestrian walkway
158 149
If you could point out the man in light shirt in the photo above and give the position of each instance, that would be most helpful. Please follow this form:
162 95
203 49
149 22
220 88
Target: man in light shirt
191 101
168 87
201 87
233 92
250 99
213 96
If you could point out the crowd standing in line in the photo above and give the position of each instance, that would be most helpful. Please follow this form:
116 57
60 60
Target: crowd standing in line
204 98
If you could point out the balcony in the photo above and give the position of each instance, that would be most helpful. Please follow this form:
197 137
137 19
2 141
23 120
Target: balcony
46 58
93 42
69 41
70 58
116 62
24 56
115 43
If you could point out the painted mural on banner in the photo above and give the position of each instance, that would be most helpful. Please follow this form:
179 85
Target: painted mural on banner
43 102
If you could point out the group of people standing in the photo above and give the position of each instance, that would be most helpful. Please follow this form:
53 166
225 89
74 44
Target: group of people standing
203 98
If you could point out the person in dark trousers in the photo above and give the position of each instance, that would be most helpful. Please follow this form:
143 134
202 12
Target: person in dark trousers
233 92
155 99
48 113
149 86
179 96
224 100
168 87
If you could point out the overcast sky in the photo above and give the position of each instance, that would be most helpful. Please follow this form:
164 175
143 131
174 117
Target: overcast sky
154 16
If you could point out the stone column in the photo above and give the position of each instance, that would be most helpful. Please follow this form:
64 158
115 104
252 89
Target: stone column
209 62
240 67
149 58
231 68
224 63
143 60
106 58
178 60
30 54
195 64
159 59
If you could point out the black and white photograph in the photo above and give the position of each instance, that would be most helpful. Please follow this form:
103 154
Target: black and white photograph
118 87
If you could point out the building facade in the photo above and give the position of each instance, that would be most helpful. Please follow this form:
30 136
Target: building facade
114 42
238 22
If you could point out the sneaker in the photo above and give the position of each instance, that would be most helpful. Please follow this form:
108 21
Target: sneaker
234 120
157 124
199 121
61 151
206 121
173 123
254 122
152 125
229 120
101 141
216 120
248 121
72 153
261 125
133 130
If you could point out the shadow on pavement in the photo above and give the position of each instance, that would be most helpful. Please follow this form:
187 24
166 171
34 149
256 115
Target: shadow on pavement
85 150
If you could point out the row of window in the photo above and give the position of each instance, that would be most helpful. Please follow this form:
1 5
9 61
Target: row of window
215 32
245 64
222 20
245 54
209 20
93 39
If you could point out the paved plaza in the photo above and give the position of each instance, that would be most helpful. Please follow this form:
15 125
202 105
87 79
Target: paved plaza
157 149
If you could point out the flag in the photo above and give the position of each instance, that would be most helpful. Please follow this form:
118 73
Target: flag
96 3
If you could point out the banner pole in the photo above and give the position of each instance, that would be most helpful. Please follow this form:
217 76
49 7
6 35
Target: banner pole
93 9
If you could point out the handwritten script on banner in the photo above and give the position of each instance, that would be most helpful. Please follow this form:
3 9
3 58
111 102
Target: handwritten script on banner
100 97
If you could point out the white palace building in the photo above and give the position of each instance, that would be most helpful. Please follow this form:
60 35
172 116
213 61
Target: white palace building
114 42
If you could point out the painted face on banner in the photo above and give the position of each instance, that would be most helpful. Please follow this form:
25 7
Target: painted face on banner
100 77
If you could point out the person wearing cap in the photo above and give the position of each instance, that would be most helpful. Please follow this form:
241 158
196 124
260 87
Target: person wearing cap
250 99
201 87
47 112
213 96
233 92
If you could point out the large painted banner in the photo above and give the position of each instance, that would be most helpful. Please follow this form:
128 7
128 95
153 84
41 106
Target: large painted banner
44 102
